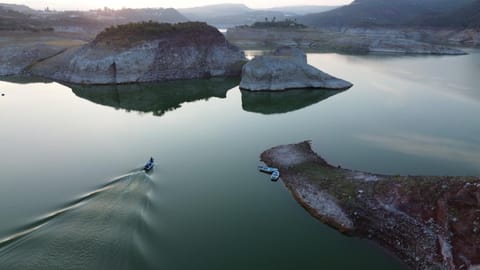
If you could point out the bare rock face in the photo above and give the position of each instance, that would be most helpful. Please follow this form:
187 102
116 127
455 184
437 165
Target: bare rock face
286 68
15 59
430 222
183 52
469 37
408 46
355 40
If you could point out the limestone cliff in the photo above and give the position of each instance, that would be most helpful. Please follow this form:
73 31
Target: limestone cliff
146 52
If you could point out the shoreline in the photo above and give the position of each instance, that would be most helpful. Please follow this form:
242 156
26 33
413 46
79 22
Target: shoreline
426 221
358 40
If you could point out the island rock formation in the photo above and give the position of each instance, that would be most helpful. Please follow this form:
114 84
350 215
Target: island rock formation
146 52
286 68
428 222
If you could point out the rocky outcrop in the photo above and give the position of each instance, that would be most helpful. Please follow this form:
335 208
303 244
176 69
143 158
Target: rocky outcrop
428 222
14 59
286 68
179 52
355 40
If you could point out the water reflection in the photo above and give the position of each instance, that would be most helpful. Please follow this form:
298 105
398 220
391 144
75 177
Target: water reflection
452 75
158 98
428 146
283 102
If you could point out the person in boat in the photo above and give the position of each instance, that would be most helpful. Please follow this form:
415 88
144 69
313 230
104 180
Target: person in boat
149 165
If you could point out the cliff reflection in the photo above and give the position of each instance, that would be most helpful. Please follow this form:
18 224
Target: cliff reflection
157 98
283 102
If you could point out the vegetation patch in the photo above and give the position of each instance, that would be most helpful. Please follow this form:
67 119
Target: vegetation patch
131 34
285 24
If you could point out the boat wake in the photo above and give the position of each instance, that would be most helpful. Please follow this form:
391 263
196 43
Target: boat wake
103 229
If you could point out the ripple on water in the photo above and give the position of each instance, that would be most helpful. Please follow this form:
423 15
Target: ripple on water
104 229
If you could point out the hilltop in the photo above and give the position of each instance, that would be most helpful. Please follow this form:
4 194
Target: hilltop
129 35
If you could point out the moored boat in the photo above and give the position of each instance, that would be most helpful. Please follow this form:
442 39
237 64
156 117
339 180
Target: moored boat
267 169
275 176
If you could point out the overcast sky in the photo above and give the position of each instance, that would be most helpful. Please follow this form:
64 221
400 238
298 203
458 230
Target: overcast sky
94 4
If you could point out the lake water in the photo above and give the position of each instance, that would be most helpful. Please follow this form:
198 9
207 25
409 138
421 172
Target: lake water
72 195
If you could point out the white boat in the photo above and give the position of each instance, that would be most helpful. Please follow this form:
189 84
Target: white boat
275 175
267 169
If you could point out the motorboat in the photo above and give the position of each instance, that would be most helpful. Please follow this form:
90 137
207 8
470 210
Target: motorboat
275 176
149 166
267 169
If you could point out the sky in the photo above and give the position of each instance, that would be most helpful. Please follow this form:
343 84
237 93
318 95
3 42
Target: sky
94 4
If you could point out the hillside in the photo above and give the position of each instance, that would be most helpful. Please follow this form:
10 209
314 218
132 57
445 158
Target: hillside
11 20
465 17
364 13
127 15
18 8
302 10
15 18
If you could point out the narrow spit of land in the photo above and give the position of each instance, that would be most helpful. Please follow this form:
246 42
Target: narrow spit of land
429 222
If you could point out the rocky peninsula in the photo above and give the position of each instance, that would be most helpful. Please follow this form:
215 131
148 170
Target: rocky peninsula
428 222
286 68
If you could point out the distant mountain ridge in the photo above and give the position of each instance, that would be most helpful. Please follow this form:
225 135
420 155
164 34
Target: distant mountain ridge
365 13
230 15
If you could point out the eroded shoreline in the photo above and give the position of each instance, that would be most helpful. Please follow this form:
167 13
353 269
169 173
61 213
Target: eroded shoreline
428 222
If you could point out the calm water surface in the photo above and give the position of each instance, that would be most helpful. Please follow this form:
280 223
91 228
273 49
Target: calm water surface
72 197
